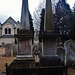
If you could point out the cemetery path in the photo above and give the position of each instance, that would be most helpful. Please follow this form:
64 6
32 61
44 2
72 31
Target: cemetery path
3 61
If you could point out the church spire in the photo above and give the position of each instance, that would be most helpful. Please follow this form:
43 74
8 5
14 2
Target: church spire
48 25
25 15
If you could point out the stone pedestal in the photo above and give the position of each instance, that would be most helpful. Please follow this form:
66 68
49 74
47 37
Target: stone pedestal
49 43
49 35
24 45
49 46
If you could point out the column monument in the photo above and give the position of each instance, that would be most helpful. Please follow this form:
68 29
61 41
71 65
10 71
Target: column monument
49 35
25 34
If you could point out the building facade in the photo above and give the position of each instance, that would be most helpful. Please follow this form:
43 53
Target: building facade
7 31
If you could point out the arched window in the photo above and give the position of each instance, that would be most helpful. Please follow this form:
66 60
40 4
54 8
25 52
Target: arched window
5 30
9 30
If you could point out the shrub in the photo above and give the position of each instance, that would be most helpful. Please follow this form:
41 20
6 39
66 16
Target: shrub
73 65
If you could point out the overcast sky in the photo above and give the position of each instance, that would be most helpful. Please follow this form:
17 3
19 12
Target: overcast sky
13 8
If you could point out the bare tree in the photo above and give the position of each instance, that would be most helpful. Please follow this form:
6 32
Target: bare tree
37 12
36 15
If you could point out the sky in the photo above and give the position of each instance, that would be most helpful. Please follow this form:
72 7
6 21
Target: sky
13 8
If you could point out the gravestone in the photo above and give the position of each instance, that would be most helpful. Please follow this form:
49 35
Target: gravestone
8 48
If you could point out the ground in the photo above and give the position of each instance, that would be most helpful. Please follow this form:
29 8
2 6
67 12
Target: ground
3 61
71 71
8 60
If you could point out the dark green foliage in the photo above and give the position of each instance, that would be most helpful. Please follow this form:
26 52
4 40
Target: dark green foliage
70 63
72 25
15 40
62 17
31 23
42 20
73 65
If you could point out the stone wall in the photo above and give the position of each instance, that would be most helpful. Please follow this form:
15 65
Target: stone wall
7 40
11 50
2 51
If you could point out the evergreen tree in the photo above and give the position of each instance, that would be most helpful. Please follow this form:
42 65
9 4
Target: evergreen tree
62 17
72 25
31 23
42 21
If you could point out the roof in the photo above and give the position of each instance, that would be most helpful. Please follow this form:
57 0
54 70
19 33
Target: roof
10 20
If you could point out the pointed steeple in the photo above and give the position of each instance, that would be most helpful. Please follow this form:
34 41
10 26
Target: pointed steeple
48 24
25 15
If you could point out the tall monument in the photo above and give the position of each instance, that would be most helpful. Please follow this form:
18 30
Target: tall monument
25 15
49 35
25 65
25 35
48 22
24 58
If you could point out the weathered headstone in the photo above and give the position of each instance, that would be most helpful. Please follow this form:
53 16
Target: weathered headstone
8 48
69 47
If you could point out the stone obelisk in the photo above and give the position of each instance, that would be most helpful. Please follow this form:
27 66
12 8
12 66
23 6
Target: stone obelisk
48 22
24 58
25 15
49 36
25 35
